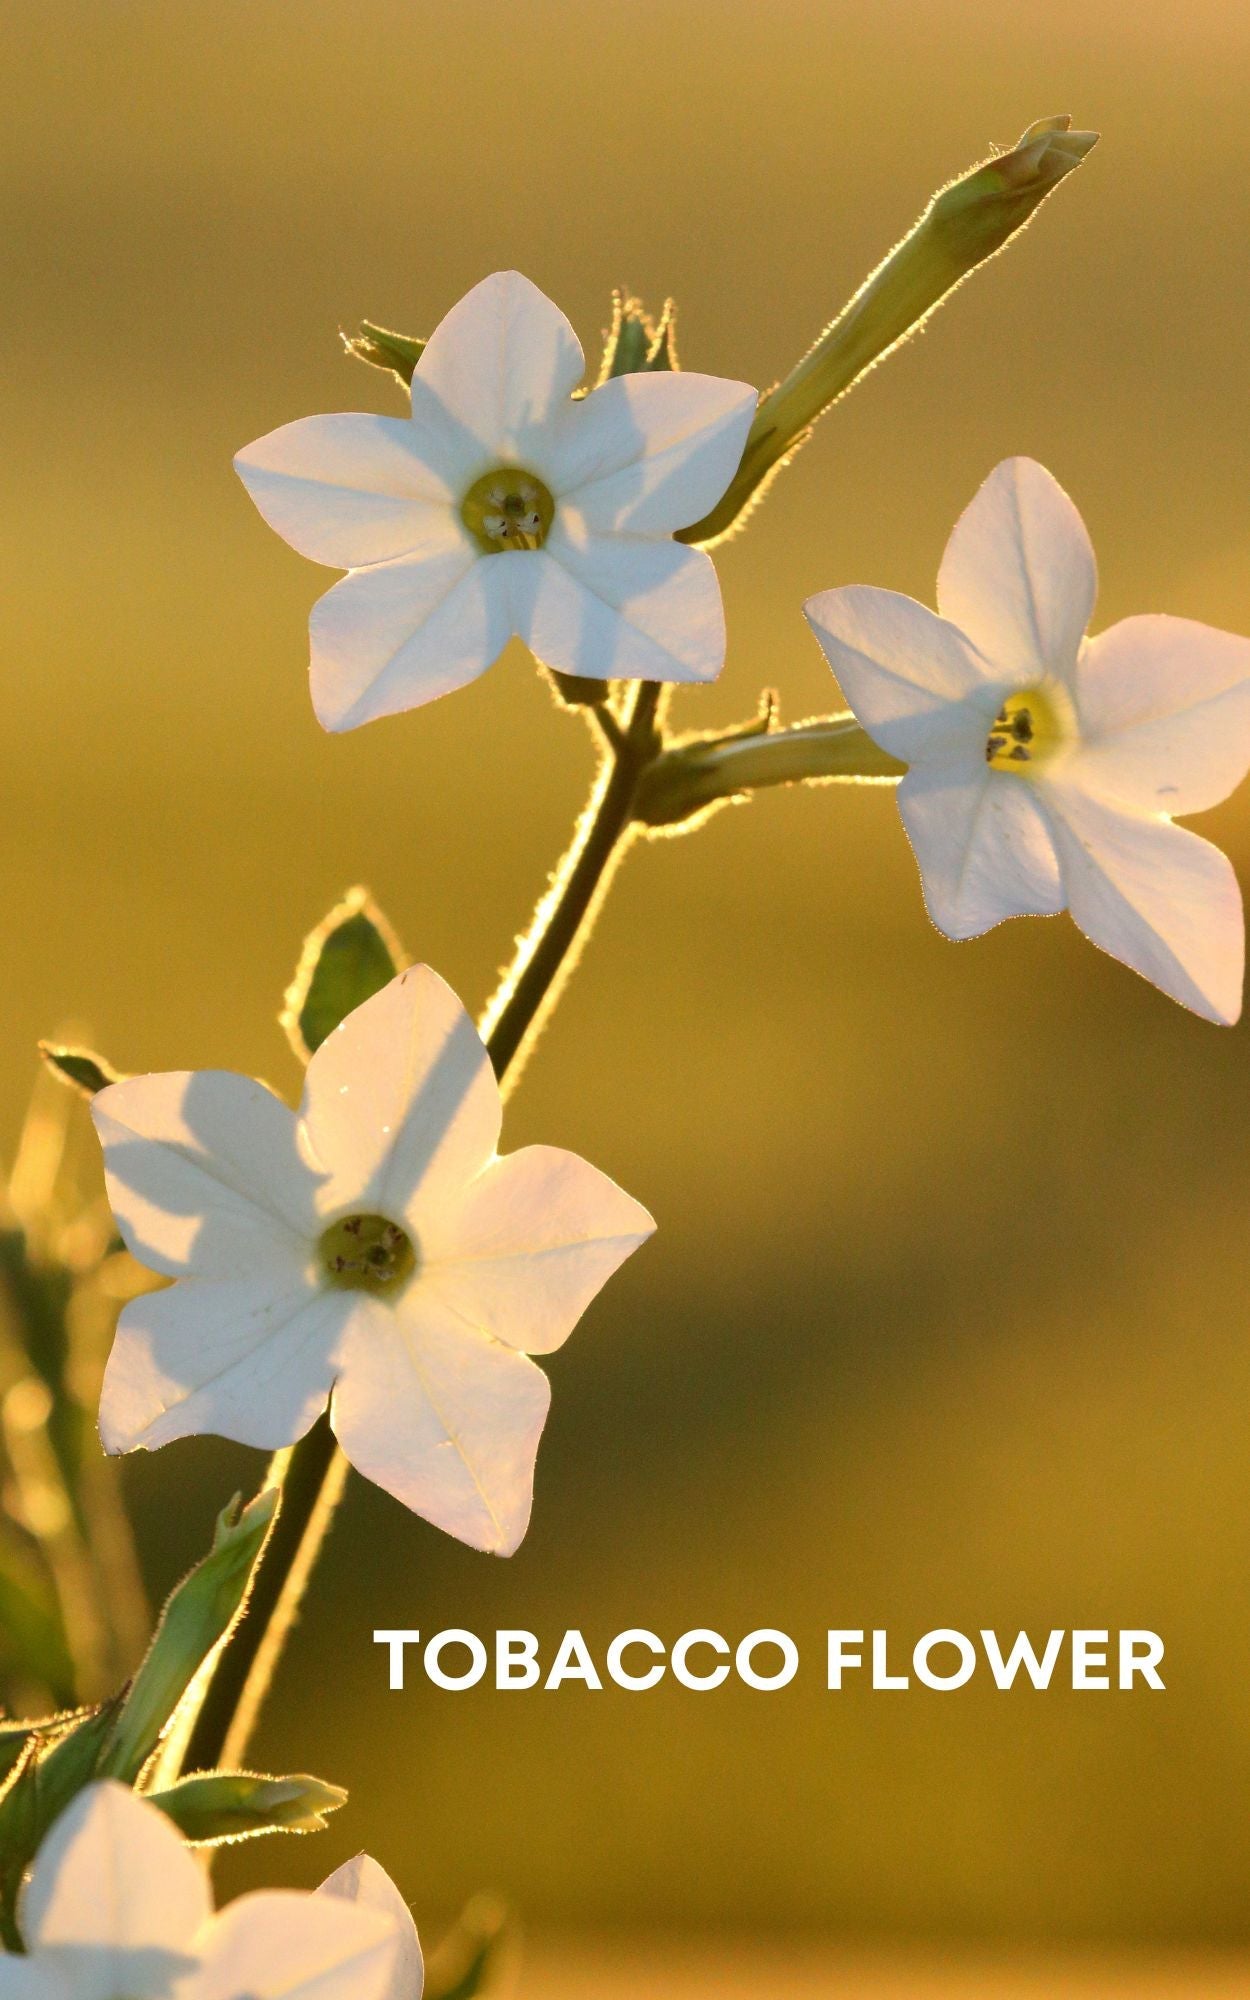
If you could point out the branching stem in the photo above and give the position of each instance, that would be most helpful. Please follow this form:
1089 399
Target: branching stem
311 1474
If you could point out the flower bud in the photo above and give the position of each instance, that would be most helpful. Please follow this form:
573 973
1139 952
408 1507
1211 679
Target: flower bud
197 1619
964 225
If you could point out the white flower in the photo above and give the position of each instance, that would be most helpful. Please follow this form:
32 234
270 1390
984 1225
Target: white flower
1046 767
363 1882
373 1250
504 506
116 1905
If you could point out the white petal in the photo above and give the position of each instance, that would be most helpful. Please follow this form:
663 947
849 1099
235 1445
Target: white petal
1018 575
1155 896
350 489
502 363
536 1236
400 1102
48 1977
361 1880
648 454
442 1417
234 1357
982 843
278 1943
203 1173
616 608
401 634
1164 706
114 1874
913 681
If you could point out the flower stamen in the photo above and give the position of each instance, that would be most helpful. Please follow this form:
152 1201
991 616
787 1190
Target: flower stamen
1029 727
366 1253
508 508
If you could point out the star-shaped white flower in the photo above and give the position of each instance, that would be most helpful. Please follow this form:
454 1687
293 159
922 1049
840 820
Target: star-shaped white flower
502 506
1046 767
363 1882
117 1905
373 1251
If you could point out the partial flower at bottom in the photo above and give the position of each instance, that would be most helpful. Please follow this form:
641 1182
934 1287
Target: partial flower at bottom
116 1905
373 1251
1047 767
506 505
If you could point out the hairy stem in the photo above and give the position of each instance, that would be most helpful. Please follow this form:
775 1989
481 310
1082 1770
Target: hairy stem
311 1473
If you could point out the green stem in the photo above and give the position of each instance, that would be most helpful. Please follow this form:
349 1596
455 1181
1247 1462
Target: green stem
691 776
310 1474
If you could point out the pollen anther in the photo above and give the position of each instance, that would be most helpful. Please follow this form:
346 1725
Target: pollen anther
508 509
367 1253
1029 727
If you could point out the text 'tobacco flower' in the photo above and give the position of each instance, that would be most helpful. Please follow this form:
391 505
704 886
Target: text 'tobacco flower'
1046 766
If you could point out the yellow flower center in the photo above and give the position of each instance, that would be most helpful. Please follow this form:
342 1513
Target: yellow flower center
508 509
1029 727
367 1253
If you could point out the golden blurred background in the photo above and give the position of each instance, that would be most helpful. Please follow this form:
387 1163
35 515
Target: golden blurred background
946 1319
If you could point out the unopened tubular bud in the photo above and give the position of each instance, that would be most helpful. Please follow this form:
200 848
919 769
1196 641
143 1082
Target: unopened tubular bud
963 226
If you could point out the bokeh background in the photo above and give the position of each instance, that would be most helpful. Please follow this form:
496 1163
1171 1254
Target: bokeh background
946 1319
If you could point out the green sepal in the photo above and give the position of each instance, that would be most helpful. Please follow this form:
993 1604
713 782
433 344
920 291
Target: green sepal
578 690
198 1617
471 1958
218 1807
399 353
978 213
351 955
82 1069
636 344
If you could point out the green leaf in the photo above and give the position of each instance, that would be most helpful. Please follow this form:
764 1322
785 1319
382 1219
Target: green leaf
223 1806
18 1735
197 1618
352 954
15 1743
381 348
116 1741
45 1782
81 1069
471 1959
